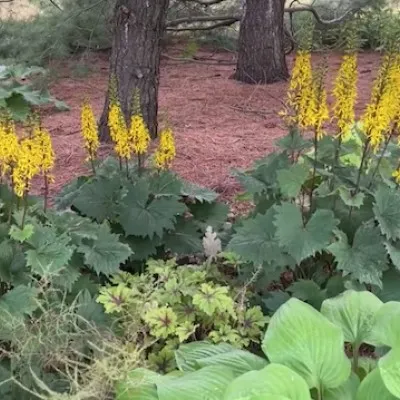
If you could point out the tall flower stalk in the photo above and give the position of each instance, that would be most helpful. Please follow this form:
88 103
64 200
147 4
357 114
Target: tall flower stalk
90 134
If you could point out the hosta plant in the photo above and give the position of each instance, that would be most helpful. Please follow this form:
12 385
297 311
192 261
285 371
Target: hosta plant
304 358
173 304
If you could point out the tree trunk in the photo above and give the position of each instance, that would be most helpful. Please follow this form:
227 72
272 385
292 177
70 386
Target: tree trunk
135 58
261 56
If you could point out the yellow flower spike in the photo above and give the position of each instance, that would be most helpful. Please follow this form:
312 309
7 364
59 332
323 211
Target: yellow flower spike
9 147
89 131
45 148
345 94
139 135
119 132
166 151
396 176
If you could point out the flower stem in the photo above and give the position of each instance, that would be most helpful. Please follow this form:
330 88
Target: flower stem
92 164
314 169
25 208
126 168
46 192
380 159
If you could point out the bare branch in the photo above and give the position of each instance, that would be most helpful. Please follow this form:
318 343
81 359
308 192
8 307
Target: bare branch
191 20
6 1
206 2
220 24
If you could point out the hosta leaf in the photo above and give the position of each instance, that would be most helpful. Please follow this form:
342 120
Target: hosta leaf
309 291
141 217
387 211
106 253
373 388
273 380
365 260
299 337
353 200
97 199
303 241
20 300
255 240
198 193
347 391
387 325
389 367
292 179
207 383
353 312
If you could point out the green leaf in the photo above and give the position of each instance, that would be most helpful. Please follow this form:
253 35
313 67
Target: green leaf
184 239
198 193
387 211
394 253
353 312
208 383
303 241
366 259
61 105
273 380
391 284
20 300
255 240
309 291
373 388
97 199
387 325
21 235
18 107
389 367
89 310
209 214
352 200
299 337
106 253
69 192
140 216
50 253
165 184
293 142
250 183
292 179
142 248
275 299
347 391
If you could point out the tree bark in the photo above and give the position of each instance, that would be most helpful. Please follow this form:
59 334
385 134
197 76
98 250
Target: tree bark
261 54
135 58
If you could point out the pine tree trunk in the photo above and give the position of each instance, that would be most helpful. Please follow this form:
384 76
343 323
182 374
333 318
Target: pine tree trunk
261 56
135 58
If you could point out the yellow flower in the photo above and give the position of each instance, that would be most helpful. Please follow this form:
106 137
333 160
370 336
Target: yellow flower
300 92
166 152
119 132
139 136
345 94
396 175
45 148
89 131
28 165
9 147
318 111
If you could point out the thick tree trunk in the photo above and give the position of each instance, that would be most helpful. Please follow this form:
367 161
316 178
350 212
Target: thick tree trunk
135 58
261 57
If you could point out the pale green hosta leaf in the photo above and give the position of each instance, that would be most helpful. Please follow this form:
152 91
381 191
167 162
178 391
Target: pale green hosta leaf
292 179
389 367
273 380
353 312
373 388
347 391
303 241
387 325
301 338
207 383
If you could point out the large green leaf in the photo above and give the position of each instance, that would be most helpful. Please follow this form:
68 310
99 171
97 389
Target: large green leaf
20 300
106 253
141 216
373 388
347 391
391 284
365 259
389 366
97 199
255 240
302 241
387 211
18 107
293 142
309 291
184 239
301 338
165 184
353 312
292 179
394 253
198 193
207 383
209 214
387 325
273 380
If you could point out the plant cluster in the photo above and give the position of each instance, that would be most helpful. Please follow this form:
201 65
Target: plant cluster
326 206
305 358
18 95
173 304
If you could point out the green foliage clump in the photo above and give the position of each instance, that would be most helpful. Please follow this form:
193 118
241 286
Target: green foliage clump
173 304
305 358
18 94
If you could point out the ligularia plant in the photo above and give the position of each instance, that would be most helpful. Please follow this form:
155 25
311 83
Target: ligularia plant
305 358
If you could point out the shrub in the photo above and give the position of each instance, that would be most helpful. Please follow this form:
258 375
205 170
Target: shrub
306 358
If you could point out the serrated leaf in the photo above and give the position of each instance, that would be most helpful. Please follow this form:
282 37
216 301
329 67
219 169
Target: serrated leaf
352 200
198 193
309 291
365 259
144 248
275 299
89 310
140 216
61 105
303 241
165 184
372 388
292 179
20 300
184 239
97 199
299 337
249 183
394 253
353 312
293 142
391 283
18 107
21 235
209 214
69 192
387 211
105 254
66 278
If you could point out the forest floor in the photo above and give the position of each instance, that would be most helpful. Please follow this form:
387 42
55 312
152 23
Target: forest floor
219 124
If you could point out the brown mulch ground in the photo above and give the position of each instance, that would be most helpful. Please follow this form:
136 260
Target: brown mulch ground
219 123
